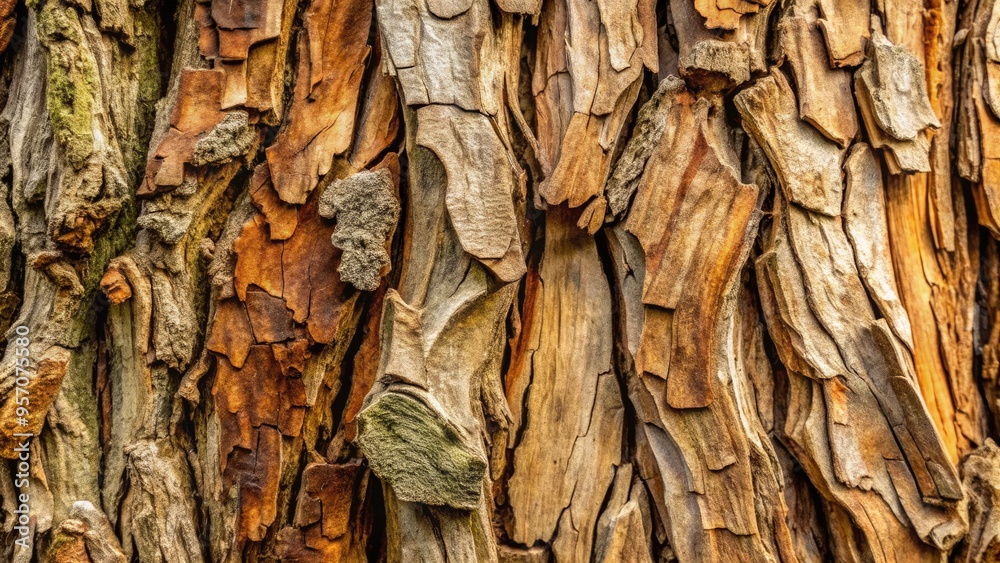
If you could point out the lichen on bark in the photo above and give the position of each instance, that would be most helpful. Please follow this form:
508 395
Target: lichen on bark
413 449
366 212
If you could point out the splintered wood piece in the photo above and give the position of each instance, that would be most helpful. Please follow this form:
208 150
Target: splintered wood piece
582 52
809 440
689 271
258 260
282 218
233 337
444 71
620 21
313 289
695 448
803 342
895 90
940 56
726 14
479 195
981 480
591 80
624 527
845 25
582 167
867 228
380 121
718 61
877 388
270 320
935 285
650 124
698 462
197 111
900 156
320 118
573 394
806 162
825 98
892 96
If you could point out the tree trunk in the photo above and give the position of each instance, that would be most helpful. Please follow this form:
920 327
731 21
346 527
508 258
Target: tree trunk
513 281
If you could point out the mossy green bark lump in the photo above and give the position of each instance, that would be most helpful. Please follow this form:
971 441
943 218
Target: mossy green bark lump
419 454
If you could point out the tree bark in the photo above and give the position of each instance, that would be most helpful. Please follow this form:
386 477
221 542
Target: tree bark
511 281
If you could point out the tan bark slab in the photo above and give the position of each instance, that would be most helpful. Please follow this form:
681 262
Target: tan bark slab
892 95
845 25
555 484
321 115
824 93
807 164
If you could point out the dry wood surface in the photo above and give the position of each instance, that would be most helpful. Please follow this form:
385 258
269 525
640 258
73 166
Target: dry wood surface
508 281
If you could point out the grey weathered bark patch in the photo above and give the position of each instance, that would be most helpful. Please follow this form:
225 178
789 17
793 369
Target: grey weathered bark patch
366 211
231 138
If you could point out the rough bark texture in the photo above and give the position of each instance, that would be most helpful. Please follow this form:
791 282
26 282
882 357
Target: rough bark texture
500 281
